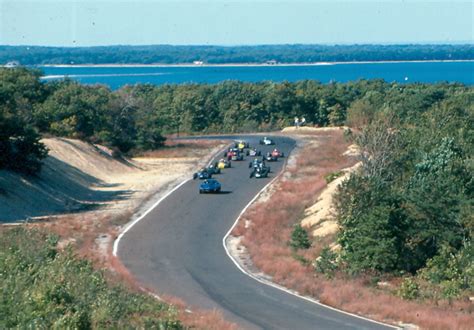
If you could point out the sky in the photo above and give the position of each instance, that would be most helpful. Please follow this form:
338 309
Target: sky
238 22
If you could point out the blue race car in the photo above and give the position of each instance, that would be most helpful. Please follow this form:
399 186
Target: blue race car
210 186
202 174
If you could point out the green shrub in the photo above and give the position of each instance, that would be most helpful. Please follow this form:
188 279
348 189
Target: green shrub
409 289
299 238
326 263
332 176
42 287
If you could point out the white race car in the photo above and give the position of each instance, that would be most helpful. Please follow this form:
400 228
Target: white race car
266 141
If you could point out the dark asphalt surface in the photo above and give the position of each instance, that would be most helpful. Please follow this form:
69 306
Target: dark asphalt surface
177 250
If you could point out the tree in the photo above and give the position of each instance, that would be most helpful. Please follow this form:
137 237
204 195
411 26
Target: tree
74 111
371 225
337 115
20 146
434 198
299 238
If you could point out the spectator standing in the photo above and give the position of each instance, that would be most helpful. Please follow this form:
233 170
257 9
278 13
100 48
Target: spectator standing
297 122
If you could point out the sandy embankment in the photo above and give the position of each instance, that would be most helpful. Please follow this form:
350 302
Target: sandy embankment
82 178
320 217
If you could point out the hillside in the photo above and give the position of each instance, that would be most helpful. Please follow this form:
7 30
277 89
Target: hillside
78 176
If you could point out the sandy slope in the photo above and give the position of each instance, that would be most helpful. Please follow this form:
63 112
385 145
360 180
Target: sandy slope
320 216
78 176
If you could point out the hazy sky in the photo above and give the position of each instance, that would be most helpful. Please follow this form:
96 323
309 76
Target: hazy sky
109 22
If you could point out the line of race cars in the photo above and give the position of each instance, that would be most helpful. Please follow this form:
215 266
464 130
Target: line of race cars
258 166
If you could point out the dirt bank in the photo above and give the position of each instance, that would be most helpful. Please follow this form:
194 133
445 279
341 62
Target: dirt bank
80 177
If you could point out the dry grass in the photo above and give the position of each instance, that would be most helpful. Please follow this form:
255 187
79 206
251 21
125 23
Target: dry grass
183 148
266 240
200 319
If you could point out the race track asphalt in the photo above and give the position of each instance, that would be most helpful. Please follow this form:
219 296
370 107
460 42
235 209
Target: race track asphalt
177 250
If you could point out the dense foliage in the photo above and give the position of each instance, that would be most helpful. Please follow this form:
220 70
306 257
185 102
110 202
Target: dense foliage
166 54
299 238
410 208
20 149
42 287
137 117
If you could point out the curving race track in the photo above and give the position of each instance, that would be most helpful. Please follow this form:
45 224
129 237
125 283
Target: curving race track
176 249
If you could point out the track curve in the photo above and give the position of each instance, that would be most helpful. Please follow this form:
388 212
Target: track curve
176 249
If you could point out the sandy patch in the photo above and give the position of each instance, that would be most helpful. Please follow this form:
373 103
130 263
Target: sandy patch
320 216
81 177
310 129
353 150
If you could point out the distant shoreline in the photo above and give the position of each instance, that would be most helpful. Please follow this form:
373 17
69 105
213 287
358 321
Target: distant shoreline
111 65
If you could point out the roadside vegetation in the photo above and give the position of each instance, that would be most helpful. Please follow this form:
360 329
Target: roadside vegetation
404 248
318 270
44 287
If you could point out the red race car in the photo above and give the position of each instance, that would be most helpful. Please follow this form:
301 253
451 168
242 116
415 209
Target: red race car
277 153
234 154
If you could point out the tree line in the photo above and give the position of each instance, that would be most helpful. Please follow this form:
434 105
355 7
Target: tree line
167 54
138 117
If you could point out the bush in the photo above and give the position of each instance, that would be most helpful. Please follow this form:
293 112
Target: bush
299 238
45 288
326 263
450 271
332 176
409 289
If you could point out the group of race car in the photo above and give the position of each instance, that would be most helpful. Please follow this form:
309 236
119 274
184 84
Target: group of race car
258 166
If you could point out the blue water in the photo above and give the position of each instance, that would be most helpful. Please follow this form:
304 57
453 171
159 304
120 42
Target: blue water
116 77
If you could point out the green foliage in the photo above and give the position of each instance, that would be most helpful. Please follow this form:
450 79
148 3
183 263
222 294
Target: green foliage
337 115
20 148
299 238
434 197
333 176
451 270
326 263
44 288
409 289
410 207
370 240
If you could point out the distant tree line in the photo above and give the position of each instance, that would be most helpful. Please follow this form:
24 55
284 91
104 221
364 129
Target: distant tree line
166 54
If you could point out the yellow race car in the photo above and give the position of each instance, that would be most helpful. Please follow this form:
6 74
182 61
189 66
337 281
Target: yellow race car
223 163
241 145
